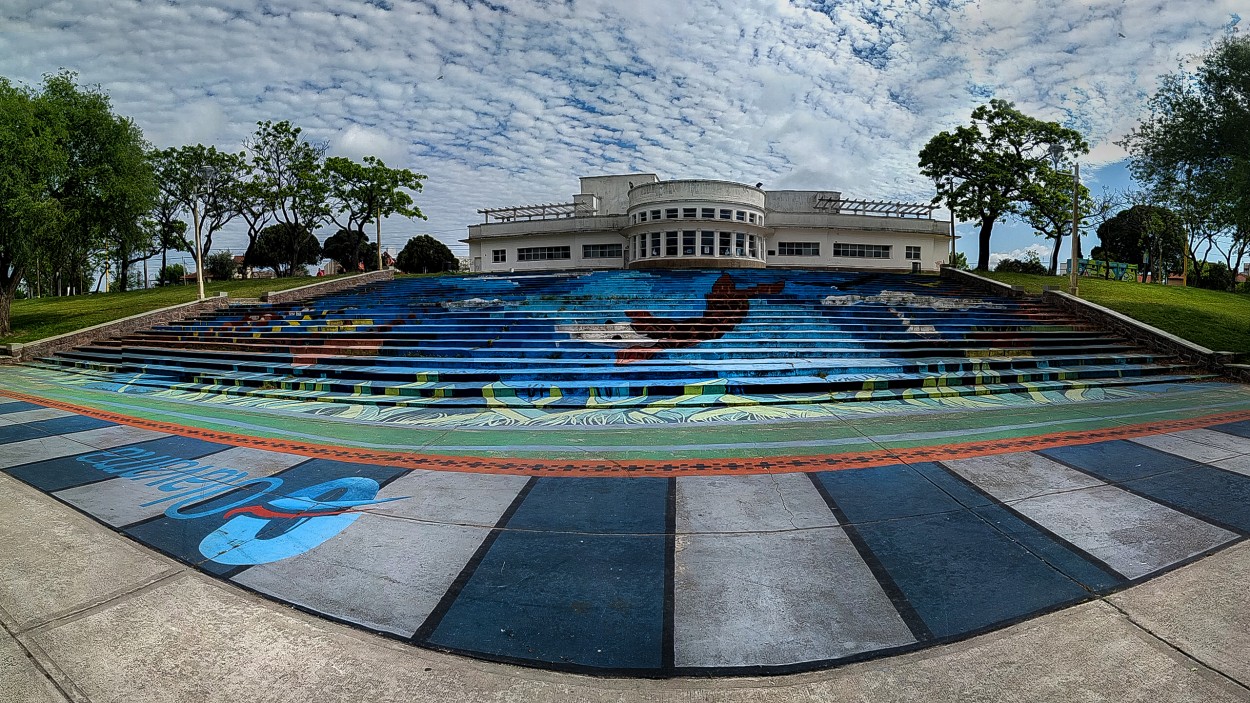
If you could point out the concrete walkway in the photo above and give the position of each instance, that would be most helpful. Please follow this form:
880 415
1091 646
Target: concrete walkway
89 615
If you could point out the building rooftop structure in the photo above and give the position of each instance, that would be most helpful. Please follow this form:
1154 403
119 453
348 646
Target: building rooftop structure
637 220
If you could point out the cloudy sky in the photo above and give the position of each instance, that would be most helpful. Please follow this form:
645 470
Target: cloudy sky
507 103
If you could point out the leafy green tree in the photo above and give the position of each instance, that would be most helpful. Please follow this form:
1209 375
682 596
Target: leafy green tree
1193 150
1031 263
173 274
361 193
1048 209
960 261
988 169
286 248
220 265
206 183
1147 235
73 180
425 254
287 175
348 248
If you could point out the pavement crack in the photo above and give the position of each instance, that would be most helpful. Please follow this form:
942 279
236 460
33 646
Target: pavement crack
1175 647
116 597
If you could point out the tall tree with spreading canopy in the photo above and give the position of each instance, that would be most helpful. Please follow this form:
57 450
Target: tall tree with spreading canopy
287 175
1147 235
984 171
1048 209
286 248
206 183
361 193
71 179
1193 150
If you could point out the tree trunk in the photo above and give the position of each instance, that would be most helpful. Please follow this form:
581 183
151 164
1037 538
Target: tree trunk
983 250
1054 256
6 308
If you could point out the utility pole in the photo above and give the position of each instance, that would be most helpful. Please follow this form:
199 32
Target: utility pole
379 230
1076 232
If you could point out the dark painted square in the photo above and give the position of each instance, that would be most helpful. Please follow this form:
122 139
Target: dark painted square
1241 429
67 472
18 407
1218 496
578 576
19 433
66 425
957 568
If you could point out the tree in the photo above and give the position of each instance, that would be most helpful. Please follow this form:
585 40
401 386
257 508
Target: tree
171 275
348 248
288 175
71 182
220 266
1147 235
285 248
166 213
1193 149
363 193
960 261
1031 263
1048 209
206 183
425 254
985 170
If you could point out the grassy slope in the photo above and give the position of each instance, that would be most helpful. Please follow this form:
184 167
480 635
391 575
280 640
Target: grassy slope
1216 320
48 317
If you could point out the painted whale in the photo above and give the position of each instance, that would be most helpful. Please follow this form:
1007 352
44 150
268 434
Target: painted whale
727 306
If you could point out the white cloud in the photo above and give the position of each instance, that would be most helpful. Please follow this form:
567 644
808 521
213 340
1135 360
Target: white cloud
1043 252
507 103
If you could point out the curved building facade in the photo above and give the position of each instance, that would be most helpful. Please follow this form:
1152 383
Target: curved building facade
638 221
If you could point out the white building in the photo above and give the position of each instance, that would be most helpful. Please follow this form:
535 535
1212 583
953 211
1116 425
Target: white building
638 221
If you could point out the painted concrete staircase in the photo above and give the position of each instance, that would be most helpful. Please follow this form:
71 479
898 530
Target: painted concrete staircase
626 338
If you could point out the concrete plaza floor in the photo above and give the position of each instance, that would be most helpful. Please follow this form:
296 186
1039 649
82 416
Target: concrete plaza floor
89 615
1110 533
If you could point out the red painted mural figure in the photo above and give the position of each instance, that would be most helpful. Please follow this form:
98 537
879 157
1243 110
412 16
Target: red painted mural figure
727 305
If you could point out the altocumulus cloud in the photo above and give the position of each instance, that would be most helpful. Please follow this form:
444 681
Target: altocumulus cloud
506 102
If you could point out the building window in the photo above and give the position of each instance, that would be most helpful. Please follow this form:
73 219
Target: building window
642 216
655 244
798 248
601 251
913 253
499 256
740 244
862 251
708 247
671 213
740 216
689 212
687 243
709 213
751 246
725 245
655 214
751 217
543 253
726 214
670 244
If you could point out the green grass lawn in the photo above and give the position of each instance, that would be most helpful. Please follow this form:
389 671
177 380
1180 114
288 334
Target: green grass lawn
1216 320
48 317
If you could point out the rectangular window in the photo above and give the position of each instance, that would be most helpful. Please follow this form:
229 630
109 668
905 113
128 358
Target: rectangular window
751 246
726 214
689 212
709 243
543 253
670 244
499 255
709 213
798 248
655 214
671 213
687 243
642 216
862 251
740 216
655 244
913 253
751 217
740 241
725 244
601 251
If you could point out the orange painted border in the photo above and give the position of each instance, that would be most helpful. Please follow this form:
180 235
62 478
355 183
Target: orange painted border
711 466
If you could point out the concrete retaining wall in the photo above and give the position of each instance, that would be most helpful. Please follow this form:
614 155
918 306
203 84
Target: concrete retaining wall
333 285
17 353
1105 318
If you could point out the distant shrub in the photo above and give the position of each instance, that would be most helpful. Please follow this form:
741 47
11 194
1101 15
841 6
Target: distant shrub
1031 263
